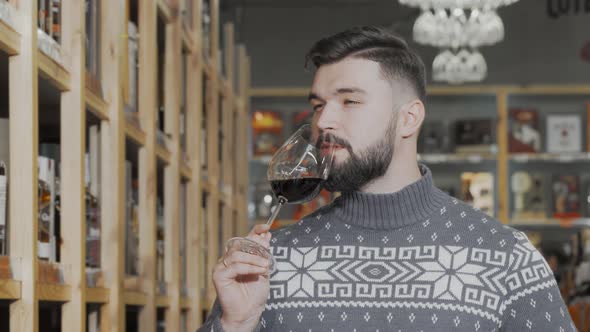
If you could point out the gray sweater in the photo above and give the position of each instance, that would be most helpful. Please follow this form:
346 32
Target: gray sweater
415 260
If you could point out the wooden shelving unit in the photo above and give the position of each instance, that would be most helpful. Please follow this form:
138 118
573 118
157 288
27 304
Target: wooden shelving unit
503 161
179 164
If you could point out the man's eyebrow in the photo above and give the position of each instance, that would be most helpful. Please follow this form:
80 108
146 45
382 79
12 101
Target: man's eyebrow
339 91
313 96
350 90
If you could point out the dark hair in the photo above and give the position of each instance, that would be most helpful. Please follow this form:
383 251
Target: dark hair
377 44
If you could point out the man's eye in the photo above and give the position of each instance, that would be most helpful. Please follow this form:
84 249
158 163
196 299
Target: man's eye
317 107
348 102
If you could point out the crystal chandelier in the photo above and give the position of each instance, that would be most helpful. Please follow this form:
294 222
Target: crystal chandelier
458 28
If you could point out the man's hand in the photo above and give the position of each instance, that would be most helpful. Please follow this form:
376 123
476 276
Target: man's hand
242 285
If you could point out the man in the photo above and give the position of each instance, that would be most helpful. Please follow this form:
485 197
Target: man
393 252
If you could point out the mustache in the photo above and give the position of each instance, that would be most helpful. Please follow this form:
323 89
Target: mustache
330 138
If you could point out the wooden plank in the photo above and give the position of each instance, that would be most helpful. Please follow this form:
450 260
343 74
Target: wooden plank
113 161
163 154
447 90
136 299
148 104
54 72
10 289
173 91
135 133
163 302
164 11
550 90
185 304
97 295
54 293
186 171
73 148
9 39
188 41
193 204
24 118
210 72
502 164
96 105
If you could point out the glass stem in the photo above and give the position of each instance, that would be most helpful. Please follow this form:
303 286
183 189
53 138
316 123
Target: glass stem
275 213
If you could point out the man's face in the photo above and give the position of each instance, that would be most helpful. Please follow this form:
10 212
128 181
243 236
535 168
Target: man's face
357 105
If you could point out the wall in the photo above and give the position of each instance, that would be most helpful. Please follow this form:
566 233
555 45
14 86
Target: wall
536 49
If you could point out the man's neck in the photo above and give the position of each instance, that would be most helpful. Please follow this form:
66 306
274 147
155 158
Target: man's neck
402 172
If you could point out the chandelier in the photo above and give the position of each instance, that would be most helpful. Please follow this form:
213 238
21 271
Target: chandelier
458 28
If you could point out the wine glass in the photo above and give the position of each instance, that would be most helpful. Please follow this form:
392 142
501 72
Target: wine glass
296 173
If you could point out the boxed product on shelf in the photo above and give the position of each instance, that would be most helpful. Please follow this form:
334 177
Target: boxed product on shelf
131 222
588 126
474 136
566 196
434 137
46 243
4 162
564 133
92 201
3 209
7 13
529 198
267 129
478 191
160 240
132 63
206 27
524 135
5 271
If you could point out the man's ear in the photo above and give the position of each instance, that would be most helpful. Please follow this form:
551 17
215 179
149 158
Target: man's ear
410 119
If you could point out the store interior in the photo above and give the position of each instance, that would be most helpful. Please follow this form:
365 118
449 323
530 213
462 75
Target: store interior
136 135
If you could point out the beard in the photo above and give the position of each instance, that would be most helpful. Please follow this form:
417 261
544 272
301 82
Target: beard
362 168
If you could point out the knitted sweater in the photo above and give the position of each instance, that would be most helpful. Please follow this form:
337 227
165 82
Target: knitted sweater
414 260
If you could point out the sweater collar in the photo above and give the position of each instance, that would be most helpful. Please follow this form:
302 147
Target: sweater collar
414 203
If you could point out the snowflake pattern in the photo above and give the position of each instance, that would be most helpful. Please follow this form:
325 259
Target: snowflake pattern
451 272
302 271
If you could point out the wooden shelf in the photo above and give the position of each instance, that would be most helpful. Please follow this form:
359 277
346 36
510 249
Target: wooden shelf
10 289
208 67
205 185
162 301
134 298
186 171
188 41
135 133
185 303
164 10
53 72
438 90
444 158
127 136
96 105
54 293
163 154
550 157
97 295
9 39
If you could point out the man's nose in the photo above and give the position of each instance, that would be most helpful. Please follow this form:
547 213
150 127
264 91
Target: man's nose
329 118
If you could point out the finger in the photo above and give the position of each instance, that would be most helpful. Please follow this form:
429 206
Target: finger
260 234
246 258
259 229
241 269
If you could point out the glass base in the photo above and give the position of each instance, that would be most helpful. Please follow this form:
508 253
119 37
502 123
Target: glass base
251 247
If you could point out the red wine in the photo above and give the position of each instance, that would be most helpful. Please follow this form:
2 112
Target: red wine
297 190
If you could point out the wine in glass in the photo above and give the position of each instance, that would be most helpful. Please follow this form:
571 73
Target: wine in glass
296 173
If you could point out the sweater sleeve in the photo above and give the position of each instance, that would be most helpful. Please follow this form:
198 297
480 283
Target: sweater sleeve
533 301
213 322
